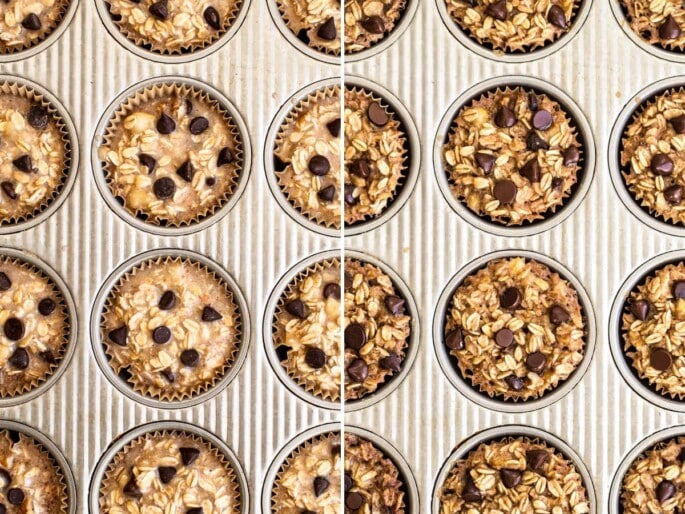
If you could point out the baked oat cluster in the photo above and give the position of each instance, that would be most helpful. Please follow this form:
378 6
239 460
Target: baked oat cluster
169 471
172 155
171 328
307 157
512 156
315 22
26 23
377 329
653 156
306 329
654 482
367 22
34 155
514 26
30 479
372 481
35 327
516 329
653 330
658 23
375 155
514 475
173 26
309 479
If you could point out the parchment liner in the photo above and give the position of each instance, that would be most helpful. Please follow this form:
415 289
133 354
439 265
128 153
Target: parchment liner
583 134
222 379
157 88
469 390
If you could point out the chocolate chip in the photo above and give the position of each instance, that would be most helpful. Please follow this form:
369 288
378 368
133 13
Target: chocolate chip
661 165
510 477
360 167
195 510
161 335
320 486
534 142
505 191
189 455
167 301
514 382
557 182
190 358
537 459
166 474
391 362
355 336
23 163
131 489
358 370
5 282
47 356
225 157
198 125
148 161
348 482
315 358
8 189
164 188
38 117
674 194
394 304
334 127
665 491
510 298
165 124
374 25
497 10
296 308
505 117
678 124
660 359
169 375
377 114
327 31
327 194
536 362
14 329
211 16
679 289
669 29
47 306
542 119
210 181
319 165
186 171
485 161
470 493
558 315
533 102
210 314
557 17
15 496
19 359
332 290
455 339
160 10
31 22
531 170
188 106
350 199
571 156
504 338
681 455
119 335
354 501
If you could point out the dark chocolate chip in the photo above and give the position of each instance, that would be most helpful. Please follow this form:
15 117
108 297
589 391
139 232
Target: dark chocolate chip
327 31
640 309
455 339
665 491
189 455
678 124
14 329
165 124
542 119
497 10
669 29
557 17
571 156
514 382
660 359
350 199
504 338
23 163
38 117
537 459
167 301
557 182
485 161
195 510
470 493
47 356
9 190
319 165
533 101
160 10
510 477
531 170
355 336
210 314
661 165
169 375
391 362
374 25
360 167
31 22
357 370
131 489
47 306
186 171
211 16
315 358
674 194
148 161
320 486
679 289
332 290
354 500
348 482
534 142
189 106
198 125
296 308
510 298
164 188
505 117
19 359
225 157
394 304
327 194
15 496
190 358
166 474
505 191
161 335
558 315
377 114
119 335
334 127
5 282
536 362
210 181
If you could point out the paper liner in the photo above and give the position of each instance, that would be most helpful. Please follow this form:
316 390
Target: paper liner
180 90
577 142
277 331
279 492
368 40
150 390
25 91
109 480
393 123
61 304
314 42
44 32
215 35
289 121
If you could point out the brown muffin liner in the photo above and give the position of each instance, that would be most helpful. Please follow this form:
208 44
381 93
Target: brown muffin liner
292 26
291 288
61 304
150 390
278 493
394 123
109 480
44 32
162 90
490 95
299 109
24 91
183 50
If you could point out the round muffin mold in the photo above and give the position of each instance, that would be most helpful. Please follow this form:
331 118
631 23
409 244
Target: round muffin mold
99 172
624 118
585 137
511 431
122 440
393 382
500 56
639 386
446 361
99 351
129 45
55 278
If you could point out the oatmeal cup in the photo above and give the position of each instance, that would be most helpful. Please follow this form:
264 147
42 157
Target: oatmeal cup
514 331
170 328
514 159
171 156
302 330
